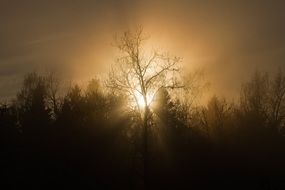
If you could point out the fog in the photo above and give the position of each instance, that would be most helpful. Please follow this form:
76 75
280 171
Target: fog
228 40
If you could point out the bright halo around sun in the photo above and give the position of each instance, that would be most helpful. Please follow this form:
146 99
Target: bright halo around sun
140 102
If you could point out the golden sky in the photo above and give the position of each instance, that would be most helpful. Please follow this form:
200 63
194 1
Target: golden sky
229 39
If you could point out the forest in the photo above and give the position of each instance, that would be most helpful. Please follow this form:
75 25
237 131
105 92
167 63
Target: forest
85 138
94 137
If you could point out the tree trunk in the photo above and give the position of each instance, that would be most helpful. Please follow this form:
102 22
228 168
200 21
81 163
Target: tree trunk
145 147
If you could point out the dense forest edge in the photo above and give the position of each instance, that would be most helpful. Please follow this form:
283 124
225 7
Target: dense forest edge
87 137
142 128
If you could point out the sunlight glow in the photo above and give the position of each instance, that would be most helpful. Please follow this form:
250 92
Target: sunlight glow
140 102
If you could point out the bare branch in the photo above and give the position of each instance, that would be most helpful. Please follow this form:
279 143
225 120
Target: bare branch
136 74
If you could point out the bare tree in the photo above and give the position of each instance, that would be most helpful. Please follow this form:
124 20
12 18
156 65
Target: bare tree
140 75
276 100
264 97
254 96
53 86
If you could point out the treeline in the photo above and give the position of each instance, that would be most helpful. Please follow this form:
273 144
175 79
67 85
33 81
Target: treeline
89 138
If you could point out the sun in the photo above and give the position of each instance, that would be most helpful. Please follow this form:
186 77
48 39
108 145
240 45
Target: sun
140 101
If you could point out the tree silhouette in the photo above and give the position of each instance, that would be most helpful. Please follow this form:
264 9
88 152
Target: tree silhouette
277 101
143 131
32 104
53 86
262 100
139 75
216 116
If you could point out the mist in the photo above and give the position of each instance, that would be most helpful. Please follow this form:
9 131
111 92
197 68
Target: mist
229 40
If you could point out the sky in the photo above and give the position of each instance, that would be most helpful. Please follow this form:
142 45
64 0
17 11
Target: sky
228 39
